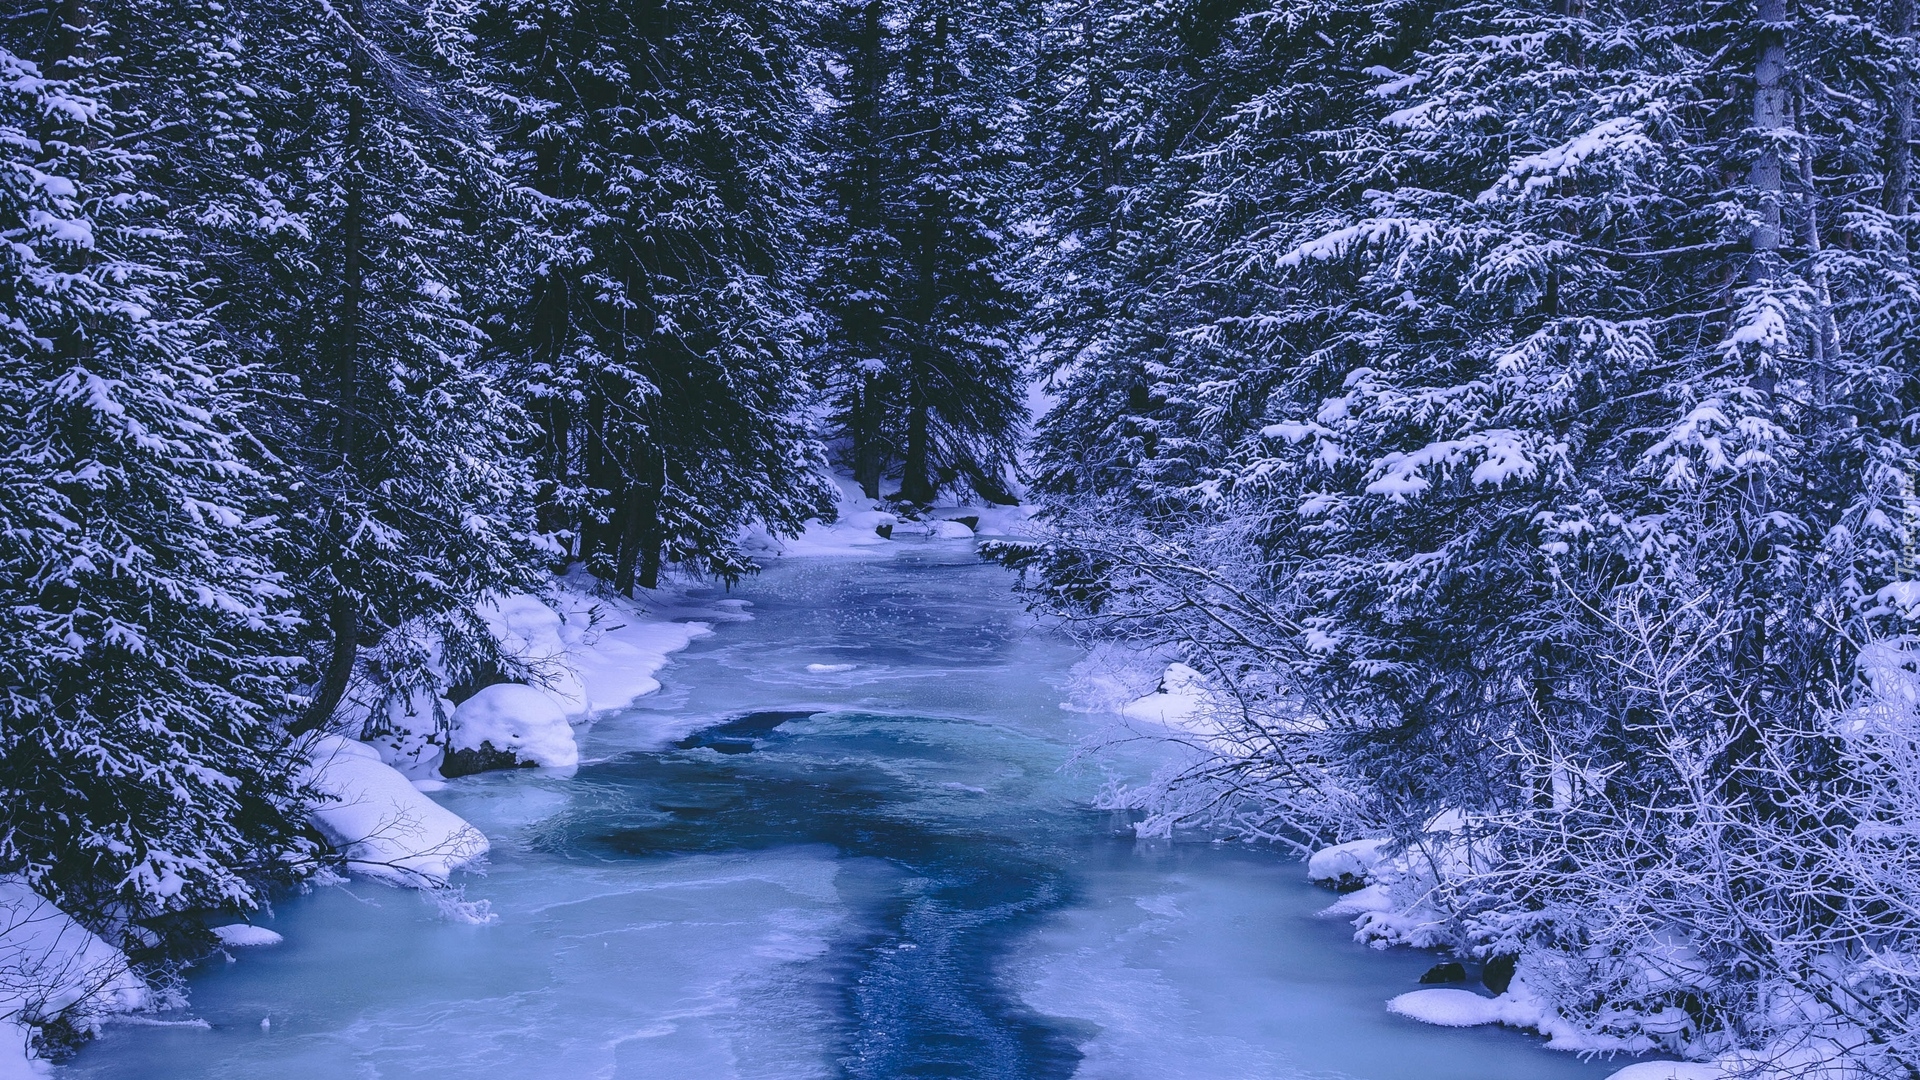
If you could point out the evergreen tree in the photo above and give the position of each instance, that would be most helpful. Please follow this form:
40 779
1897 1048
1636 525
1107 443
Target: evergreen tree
919 284
360 249
1530 401
660 338
143 634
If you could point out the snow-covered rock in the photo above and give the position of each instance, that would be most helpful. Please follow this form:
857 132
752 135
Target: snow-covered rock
383 825
1670 1070
1347 864
949 530
1371 900
574 656
51 966
1519 1007
409 739
534 634
246 936
1178 702
529 723
1456 1008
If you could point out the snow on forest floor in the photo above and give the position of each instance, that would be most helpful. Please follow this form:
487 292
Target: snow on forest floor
580 656
871 527
51 966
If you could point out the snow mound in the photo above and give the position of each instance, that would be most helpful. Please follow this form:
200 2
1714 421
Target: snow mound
618 668
1348 862
1373 899
246 936
16 1054
1519 1007
536 635
863 527
852 535
528 722
51 966
1670 1070
1456 1008
387 829
1178 702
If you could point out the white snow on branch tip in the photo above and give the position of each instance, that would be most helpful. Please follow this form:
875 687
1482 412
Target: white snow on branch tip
1623 137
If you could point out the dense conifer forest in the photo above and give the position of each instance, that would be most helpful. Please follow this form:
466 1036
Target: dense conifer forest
1507 408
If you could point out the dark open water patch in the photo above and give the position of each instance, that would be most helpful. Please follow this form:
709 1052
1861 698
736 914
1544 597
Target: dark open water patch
916 985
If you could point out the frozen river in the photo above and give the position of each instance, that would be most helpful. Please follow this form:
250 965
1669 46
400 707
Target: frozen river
840 843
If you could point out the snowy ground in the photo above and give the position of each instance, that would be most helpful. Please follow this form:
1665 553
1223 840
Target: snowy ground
51 966
868 527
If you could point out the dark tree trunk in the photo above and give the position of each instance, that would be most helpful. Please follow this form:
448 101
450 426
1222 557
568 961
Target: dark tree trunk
632 523
641 534
343 610
551 324
343 623
864 212
653 487
916 484
1898 195
69 47
601 464
916 481
868 418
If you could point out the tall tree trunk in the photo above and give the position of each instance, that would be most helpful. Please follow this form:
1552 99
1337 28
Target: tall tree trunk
863 213
653 538
1770 102
551 324
593 462
916 481
916 485
632 523
640 531
1767 176
1898 194
70 46
867 429
343 611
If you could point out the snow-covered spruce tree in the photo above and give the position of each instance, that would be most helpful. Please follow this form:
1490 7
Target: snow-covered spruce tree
1127 94
918 284
857 278
660 341
1568 330
357 235
144 637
